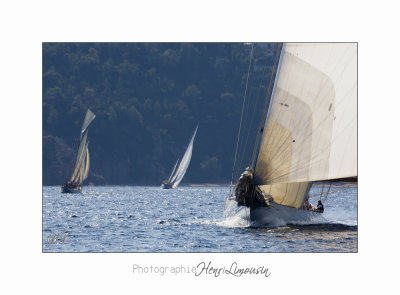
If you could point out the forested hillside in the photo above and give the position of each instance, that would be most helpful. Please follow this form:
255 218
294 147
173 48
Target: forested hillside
148 99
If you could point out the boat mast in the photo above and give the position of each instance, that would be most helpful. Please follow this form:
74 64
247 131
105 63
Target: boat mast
241 116
269 105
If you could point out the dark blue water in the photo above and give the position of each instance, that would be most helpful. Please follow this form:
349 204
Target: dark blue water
187 219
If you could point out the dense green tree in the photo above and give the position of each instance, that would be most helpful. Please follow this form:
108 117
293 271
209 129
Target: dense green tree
148 99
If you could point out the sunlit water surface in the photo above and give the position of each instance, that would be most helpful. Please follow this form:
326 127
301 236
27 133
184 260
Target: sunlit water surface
187 219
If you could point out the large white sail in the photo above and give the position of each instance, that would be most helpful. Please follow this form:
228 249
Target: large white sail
311 131
81 166
184 164
80 156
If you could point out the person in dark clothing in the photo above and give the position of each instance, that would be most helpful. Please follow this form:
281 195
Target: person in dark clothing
320 207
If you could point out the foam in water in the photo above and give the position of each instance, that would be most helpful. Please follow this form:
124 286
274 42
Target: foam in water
235 216
136 219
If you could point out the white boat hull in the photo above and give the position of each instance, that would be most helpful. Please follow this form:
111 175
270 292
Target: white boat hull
278 215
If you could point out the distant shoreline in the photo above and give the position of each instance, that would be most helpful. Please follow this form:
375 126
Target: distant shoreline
342 184
317 184
207 184
154 185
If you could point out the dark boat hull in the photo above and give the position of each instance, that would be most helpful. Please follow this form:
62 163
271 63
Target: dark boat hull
167 185
66 190
71 189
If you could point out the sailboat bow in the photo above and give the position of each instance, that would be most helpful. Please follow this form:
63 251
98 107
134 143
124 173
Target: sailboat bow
310 129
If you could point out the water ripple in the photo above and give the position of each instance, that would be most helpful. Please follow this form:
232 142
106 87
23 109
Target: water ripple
188 219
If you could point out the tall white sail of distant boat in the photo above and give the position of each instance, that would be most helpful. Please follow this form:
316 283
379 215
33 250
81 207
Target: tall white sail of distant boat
184 164
81 167
311 130
80 157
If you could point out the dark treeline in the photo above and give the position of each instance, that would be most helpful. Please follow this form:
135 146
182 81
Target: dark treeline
148 99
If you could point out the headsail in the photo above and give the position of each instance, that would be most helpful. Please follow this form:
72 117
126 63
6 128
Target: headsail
184 164
311 131
173 171
87 164
288 194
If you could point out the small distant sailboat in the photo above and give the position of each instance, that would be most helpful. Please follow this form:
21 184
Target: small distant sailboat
179 170
82 162
309 132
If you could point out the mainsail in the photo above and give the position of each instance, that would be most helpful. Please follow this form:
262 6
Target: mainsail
184 164
311 130
81 167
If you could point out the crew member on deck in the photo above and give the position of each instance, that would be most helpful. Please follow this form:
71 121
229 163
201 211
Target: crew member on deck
320 207
307 205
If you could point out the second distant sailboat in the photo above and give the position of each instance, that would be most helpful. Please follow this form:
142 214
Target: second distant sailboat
179 170
81 167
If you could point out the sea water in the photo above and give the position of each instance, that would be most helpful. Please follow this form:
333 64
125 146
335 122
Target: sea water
187 219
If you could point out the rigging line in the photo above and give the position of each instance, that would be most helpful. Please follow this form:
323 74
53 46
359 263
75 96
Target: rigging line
247 126
249 85
269 91
241 116
267 102
243 148
267 106
254 111
256 104
329 189
322 191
